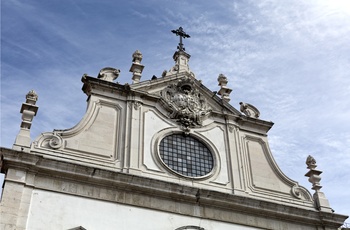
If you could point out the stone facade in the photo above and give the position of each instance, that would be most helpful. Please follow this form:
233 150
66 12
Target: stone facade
114 169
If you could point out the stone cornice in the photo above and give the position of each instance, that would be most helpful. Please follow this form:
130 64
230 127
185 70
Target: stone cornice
253 124
91 83
122 185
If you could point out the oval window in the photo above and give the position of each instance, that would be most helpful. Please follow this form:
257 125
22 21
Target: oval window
186 155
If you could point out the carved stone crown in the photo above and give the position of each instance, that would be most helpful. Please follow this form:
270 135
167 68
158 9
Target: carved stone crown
137 56
185 103
31 97
311 162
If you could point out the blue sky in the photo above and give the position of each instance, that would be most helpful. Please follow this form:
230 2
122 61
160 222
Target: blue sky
290 59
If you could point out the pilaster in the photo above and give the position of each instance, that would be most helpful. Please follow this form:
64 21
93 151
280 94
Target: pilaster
16 199
135 107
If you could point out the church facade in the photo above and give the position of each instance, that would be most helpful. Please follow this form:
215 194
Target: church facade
166 153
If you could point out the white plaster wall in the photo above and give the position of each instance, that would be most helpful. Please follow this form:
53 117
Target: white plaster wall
51 210
217 138
99 135
152 124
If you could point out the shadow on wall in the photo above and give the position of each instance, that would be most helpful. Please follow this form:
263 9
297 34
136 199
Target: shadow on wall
2 182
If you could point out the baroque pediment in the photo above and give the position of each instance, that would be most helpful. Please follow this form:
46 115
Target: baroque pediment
183 87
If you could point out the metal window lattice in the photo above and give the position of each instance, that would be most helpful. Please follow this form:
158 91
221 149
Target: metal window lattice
186 155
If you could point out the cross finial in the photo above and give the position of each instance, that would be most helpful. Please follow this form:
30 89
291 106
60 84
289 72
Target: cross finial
180 32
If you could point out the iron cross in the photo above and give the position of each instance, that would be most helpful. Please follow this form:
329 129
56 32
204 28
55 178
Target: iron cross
180 32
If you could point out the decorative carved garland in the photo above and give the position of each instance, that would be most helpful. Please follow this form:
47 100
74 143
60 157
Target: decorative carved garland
187 105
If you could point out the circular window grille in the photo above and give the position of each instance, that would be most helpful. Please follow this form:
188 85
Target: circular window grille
186 155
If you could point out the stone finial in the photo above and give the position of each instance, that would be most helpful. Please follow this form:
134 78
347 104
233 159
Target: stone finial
137 57
222 79
31 97
28 110
108 74
136 67
224 90
249 110
321 202
311 162
313 174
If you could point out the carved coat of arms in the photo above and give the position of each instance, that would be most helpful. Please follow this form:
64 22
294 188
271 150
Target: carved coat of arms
186 104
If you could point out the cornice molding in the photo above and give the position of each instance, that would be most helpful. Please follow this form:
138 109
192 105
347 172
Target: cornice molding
209 202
